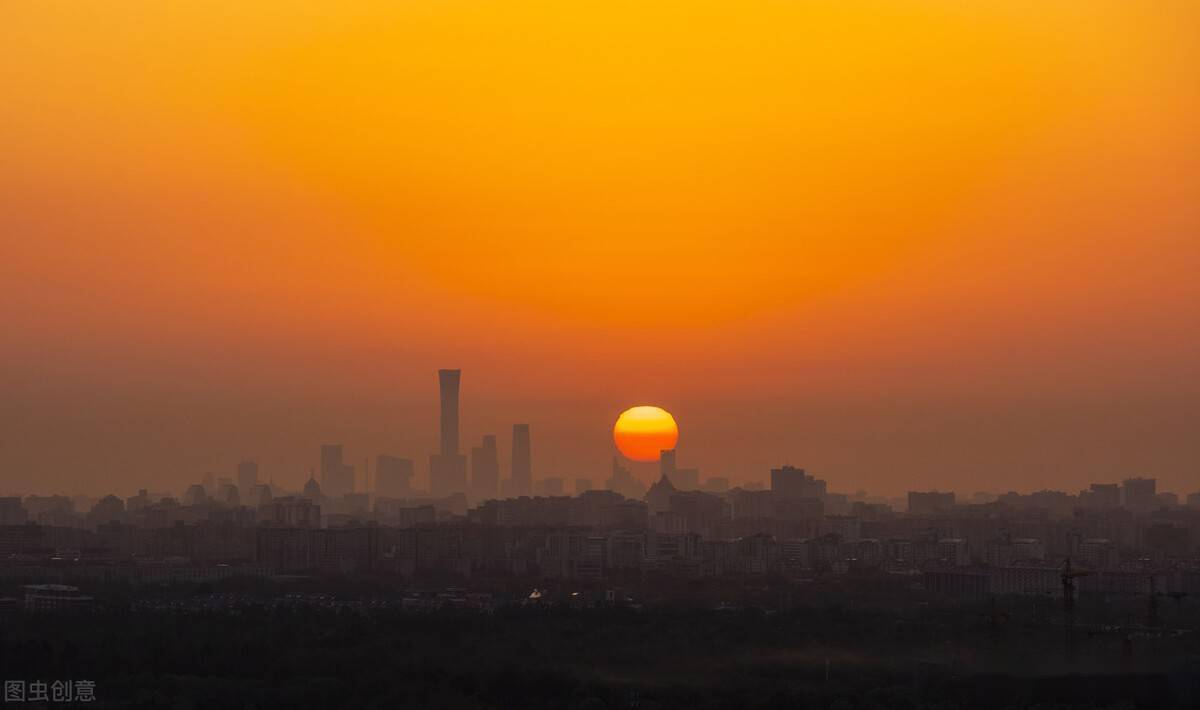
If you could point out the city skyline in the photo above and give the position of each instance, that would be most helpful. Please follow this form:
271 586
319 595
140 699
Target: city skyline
698 354
952 244
481 475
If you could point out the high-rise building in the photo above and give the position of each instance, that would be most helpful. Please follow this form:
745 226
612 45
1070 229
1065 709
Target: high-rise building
448 468
11 511
247 481
195 495
331 458
623 482
1105 496
1140 494
393 476
666 463
228 494
448 383
522 461
485 469
582 485
337 478
791 482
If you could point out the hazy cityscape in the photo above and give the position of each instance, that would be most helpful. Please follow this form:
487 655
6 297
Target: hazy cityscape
524 355
470 523
1106 578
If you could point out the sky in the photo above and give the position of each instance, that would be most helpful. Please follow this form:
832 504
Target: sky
901 243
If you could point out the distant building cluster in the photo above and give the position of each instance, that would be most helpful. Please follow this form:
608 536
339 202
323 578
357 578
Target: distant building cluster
471 523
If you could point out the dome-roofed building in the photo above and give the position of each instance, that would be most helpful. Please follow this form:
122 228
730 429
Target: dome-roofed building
312 489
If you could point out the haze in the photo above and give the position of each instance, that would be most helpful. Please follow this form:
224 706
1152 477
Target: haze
901 244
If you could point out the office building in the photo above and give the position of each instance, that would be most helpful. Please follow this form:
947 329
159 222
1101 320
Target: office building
1140 494
393 476
11 511
791 482
448 467
337 477
247 480
1104 496
485 469
522 461
622 481
666 463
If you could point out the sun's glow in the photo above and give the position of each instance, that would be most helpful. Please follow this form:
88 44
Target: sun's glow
642 433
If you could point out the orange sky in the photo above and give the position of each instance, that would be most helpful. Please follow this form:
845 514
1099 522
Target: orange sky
901 243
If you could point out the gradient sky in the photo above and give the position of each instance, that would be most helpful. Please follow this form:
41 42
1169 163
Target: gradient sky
918 243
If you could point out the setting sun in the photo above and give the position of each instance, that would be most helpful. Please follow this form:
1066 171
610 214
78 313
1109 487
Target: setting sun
641 433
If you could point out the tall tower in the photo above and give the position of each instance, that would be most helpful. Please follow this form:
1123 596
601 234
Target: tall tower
522 461
485 469
393 476
666 463
448 382
337 477
331 462
247 482
448 468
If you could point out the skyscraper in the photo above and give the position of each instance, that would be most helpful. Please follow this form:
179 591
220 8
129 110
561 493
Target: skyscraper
666 463
522 461
791 482
1140 494
448 468
448 381
247 482
393 476
485 469
337 477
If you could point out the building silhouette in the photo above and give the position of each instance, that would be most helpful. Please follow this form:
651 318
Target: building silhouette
928 502
247 479
623 482
666 463
485 469
448 384
312 490
393 476
337 477
1140 494
1106 496
522 461
448 468
658 498
791 482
